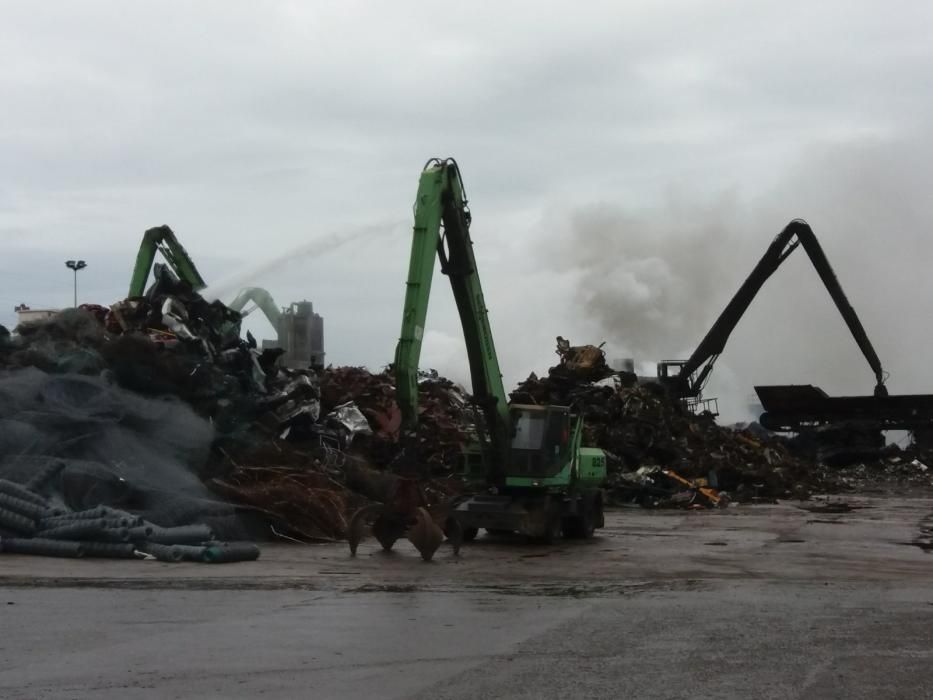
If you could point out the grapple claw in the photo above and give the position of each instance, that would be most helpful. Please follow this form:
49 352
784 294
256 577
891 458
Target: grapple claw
356 530
454 533
387 529
425 534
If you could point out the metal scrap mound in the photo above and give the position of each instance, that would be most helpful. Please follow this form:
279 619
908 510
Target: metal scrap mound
645 432
156 409
288 452
310 482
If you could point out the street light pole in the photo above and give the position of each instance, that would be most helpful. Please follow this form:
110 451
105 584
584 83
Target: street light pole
75 265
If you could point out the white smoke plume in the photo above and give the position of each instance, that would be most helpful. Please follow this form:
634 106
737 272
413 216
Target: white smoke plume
317 247
654 281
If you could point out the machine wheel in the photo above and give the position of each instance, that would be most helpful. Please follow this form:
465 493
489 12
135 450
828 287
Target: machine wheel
589 522
554 530
581 526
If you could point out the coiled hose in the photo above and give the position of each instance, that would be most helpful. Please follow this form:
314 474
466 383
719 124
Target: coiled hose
125 519
44 476
109 550
42 547
17 523
98 513
141 533
174 553
92 530
18 505
185 534
11 488
222 553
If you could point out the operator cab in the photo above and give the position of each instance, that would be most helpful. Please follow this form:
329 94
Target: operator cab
670 369
540 440
670 374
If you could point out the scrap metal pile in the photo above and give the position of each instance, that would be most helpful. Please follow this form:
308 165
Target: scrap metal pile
156 407
310 482
153 423
651 439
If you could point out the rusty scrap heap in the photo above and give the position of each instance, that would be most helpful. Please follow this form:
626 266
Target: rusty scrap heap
310 483
160 394
156 411
645 433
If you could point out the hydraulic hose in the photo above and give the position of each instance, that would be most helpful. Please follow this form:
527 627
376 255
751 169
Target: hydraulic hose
65 520
127 519
42 547
17 523
221 553
120 522
109 550
44 476
110 517
174 553
97 513
186 534
114 534
24 508
11 488
80 530
141 533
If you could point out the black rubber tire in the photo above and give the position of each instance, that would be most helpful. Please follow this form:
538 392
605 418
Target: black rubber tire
555 530
588 522
583 526
572 527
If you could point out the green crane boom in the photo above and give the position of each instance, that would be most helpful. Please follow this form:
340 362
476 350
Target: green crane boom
539 479
162 239
442 229
692 373
261 298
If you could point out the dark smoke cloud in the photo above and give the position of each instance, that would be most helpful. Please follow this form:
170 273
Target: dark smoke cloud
654 281
649 278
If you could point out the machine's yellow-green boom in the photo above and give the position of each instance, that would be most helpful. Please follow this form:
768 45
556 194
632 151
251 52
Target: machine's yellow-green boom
442 230
262 299
539 479
162 239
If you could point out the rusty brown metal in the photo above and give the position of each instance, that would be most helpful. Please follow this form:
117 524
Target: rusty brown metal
425 534
406 513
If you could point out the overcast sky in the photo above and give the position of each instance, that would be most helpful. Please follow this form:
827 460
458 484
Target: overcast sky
626 162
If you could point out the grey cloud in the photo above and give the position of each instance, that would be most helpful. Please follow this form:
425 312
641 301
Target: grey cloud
255 130
656 280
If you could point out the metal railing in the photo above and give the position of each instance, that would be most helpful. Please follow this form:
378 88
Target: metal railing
698 405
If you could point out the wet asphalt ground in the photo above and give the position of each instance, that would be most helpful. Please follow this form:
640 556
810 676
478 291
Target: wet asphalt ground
753 602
